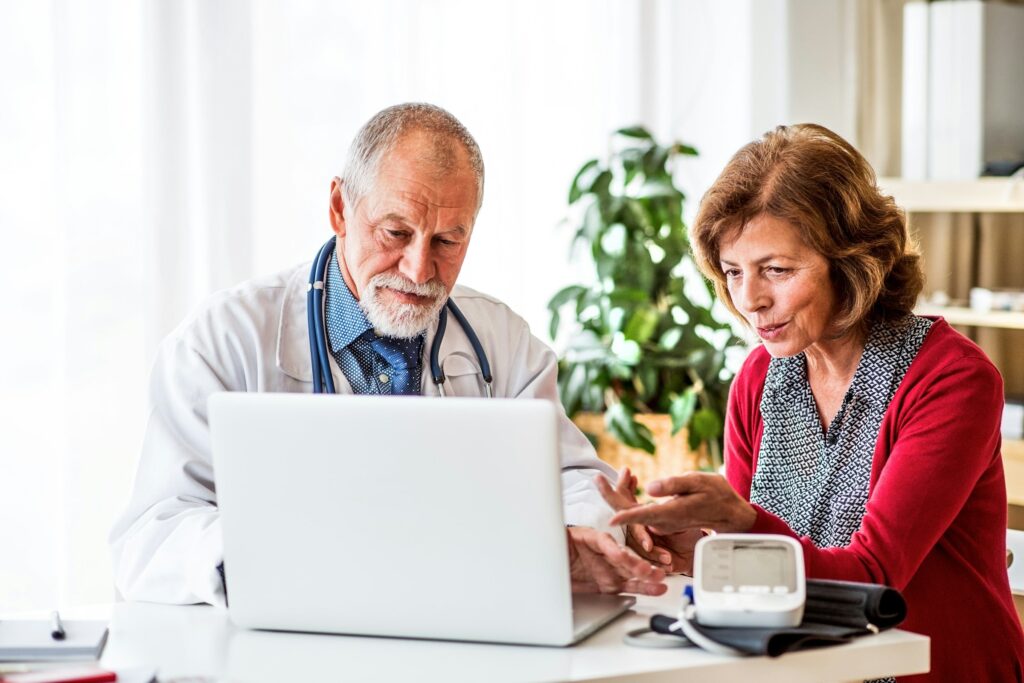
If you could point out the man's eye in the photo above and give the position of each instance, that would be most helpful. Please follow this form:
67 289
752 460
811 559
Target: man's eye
397 234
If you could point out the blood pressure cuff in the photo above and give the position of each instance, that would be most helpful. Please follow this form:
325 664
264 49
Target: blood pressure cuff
835 612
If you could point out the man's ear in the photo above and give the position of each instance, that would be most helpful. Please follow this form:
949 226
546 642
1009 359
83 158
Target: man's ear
337 207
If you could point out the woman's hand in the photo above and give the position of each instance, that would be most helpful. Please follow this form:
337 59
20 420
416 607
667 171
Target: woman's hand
699 500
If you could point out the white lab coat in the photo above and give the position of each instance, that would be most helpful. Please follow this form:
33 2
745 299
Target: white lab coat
167 544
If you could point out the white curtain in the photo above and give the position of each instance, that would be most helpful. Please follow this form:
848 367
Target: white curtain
156 151
73 277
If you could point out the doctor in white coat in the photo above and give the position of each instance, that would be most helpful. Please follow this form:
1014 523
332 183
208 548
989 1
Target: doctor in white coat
403 214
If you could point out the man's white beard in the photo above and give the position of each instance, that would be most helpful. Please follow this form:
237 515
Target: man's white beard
394 319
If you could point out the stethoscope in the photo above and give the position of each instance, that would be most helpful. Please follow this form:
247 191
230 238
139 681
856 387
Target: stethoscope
323 382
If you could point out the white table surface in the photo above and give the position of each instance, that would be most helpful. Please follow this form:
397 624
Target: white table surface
199 643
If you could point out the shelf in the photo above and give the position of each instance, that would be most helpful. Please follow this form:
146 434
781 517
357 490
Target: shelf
1013 467
984 195
954 315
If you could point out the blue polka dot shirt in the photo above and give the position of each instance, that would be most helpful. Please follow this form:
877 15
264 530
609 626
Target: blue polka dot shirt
371 364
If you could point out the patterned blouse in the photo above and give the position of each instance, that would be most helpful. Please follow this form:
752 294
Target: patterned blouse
817 480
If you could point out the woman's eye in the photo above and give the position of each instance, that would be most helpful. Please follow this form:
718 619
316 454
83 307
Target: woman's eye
776 270
732 273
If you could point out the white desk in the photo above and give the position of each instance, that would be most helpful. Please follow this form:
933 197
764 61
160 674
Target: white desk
201 641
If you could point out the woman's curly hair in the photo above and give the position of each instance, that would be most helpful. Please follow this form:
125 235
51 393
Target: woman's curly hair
816 181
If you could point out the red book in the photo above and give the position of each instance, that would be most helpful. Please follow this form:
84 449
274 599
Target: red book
62 675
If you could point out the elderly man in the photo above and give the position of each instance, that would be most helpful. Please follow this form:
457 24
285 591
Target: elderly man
403 215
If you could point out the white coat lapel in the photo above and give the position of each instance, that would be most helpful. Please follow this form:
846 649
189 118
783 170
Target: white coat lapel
293 335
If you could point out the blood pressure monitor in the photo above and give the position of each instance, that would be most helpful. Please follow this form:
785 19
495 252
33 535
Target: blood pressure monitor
749 580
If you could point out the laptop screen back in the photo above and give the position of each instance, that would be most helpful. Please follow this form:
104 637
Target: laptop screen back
393 516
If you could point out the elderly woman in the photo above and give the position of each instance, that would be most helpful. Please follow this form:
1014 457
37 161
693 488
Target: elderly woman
867 432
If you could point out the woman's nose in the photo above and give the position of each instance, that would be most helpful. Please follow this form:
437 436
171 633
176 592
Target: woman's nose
753 295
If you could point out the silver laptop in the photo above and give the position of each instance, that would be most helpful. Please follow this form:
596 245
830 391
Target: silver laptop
397 516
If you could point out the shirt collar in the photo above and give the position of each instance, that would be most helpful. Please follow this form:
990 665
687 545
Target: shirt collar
878 366
346 319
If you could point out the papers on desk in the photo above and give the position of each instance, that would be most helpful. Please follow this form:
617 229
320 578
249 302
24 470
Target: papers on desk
30 641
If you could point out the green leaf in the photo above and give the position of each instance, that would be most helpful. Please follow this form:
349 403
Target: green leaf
638 132
564 295
601 184
619 421
680 148
654 162
646 381
706 425
681 409
593 223
628 295
642 324
576 382
582 179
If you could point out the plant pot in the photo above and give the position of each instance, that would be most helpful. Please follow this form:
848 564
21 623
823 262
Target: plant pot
672 455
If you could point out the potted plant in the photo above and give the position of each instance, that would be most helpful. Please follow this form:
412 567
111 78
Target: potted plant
643 339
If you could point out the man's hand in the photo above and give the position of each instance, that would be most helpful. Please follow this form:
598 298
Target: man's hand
598 564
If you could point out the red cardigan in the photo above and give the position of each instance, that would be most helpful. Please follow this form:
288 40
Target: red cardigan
935 523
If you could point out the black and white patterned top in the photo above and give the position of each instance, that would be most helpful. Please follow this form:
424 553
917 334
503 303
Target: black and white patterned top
816 480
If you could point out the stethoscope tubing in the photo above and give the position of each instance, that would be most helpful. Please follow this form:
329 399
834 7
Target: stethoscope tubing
322 378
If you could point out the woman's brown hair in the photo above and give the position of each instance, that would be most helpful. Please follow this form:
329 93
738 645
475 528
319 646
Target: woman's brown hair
815 180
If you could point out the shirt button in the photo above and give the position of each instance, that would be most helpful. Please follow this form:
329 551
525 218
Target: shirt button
384 379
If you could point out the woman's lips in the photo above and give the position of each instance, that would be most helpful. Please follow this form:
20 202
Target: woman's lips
771 332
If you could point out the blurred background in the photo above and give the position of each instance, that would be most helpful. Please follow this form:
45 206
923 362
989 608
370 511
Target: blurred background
152 152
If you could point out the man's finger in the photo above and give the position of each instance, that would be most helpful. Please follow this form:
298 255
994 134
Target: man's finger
624 561
640 533
623 487
584 586
604 574
644 587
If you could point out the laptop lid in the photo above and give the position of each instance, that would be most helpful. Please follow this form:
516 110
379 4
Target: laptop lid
394 516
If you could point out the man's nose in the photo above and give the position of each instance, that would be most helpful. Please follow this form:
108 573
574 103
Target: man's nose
417 264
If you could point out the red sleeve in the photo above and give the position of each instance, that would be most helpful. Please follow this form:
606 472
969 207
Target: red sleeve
946 434
743 421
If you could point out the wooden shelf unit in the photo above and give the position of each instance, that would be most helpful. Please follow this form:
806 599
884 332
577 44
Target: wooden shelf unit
984 195
958 315
1013 467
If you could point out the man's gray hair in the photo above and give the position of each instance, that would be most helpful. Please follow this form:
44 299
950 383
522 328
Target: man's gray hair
380 134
